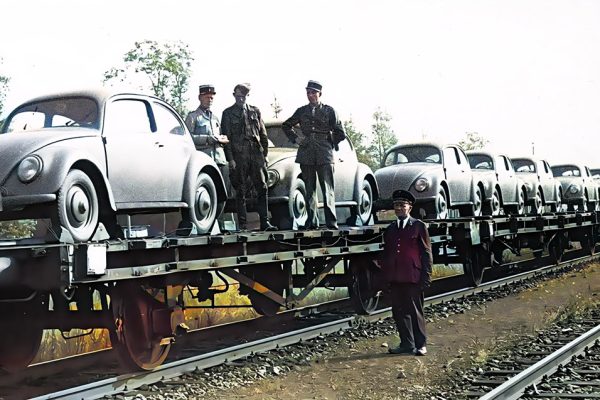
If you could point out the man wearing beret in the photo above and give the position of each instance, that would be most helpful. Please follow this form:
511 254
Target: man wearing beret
406 265
247 152
322 131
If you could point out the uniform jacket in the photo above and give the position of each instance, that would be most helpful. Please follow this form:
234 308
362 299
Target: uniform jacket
407 256
321 133
241 132
204 126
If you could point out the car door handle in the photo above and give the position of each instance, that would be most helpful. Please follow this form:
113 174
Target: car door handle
159 144
340 159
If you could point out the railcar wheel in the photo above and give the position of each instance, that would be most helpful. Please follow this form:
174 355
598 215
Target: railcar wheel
364 208
203 206
133 335
77 206
364 292
295 213
20 333
588 243
273 277
474 267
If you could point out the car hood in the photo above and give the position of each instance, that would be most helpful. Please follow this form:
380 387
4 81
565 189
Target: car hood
279 154
565 181
15 146
402 176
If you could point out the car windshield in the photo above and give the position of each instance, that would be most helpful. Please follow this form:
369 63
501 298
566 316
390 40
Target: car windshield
52 113
480 161
413 154
523 165
278 138
566 170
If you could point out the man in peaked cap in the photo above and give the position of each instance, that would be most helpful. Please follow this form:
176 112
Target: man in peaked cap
322 130
406 265
247 152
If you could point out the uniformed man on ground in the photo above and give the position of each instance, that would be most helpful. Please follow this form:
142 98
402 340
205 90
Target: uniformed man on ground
247 155
322 131
406 265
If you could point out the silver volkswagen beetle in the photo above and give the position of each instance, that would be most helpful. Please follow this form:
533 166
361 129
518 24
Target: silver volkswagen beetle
439 176
578 186
80 158
543 191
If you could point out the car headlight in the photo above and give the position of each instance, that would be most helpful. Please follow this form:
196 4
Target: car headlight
421 184
272 177
574 189
30 168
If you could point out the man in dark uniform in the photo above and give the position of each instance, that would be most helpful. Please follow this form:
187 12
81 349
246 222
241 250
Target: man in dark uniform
247 155
322 131
406 265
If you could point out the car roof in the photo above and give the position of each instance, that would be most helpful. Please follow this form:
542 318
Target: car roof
100 94
433 144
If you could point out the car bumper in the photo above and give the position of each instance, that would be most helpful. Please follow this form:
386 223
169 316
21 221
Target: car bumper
388 204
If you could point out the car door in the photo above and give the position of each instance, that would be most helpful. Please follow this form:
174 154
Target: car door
345 171
547 181
134 167
174 149
507 179
458 174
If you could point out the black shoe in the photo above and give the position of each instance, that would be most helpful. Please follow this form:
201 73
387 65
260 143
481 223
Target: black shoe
401 350
334 226
268 227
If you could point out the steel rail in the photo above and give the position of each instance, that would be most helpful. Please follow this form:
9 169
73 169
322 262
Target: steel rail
515 387
131 381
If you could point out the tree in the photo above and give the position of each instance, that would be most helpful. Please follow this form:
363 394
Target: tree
383 136
166 65
276 107
358 139
3 90
473 141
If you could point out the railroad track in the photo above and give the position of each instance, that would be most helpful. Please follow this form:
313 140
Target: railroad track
561 363
319 326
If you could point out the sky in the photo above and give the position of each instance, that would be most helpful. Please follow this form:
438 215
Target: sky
523 74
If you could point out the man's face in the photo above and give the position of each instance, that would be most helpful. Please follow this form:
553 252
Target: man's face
240 97
206 100
402 208
313 96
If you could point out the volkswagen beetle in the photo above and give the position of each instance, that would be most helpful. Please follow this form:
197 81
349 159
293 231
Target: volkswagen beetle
542 189
578 186
79 158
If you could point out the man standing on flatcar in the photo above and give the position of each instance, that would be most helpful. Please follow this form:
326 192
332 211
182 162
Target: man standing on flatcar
322 130
406 265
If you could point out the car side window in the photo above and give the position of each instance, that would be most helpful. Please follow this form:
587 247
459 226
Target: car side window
127 117
166 121
451 159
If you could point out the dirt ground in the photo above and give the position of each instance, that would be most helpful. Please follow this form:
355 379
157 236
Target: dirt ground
454 343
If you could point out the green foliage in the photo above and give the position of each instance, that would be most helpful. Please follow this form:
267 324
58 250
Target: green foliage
166 65
358 140
473 141
17 229
3 90
383 136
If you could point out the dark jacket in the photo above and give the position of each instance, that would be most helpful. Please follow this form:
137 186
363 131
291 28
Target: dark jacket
407 256
241 132
320 133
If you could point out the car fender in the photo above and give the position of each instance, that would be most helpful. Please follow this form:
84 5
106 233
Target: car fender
363 172
60 159
201 162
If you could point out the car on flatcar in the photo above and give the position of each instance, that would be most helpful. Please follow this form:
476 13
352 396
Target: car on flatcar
439 176
543 191
578 187
503 191
595 173
80 158
355 185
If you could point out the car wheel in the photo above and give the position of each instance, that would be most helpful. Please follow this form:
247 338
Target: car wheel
202 210
538 204
495 205
473 210
557 207
295 213
77 204
441 205
521 203
364 208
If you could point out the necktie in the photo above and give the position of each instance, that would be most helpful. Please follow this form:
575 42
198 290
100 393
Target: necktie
401 223
312 110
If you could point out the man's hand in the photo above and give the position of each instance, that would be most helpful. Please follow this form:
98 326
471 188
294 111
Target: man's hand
223 139
232 164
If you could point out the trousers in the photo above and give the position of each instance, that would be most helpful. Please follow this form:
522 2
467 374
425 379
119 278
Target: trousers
407 310
325 174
